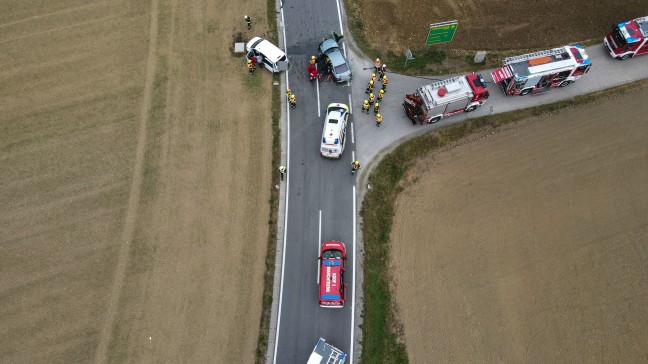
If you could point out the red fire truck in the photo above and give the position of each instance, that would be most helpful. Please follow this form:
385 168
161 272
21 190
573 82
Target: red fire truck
537 72
433 102
628 39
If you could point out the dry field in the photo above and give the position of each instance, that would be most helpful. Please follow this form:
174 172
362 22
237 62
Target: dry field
496 24
529 245
134 190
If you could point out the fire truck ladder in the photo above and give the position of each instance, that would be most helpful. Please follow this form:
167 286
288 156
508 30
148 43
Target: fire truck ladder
448 81
334 357
528 56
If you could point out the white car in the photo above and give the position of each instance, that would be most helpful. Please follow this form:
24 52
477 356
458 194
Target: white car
334 133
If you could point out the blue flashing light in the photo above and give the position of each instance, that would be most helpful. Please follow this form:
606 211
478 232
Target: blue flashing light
336 141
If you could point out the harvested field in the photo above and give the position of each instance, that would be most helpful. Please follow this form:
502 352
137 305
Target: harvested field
493 25
135 194
529 245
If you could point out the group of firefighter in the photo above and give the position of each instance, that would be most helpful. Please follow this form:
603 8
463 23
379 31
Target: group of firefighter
372 100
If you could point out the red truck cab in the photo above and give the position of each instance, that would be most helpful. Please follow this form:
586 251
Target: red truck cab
628 39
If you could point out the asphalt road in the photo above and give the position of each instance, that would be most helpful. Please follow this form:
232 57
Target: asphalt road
315 184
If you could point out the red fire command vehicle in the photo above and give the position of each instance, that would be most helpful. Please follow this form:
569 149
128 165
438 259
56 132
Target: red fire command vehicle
332 258
628 39
441 99
537 72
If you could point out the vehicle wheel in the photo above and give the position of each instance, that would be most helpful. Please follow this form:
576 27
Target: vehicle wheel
435 119
623 58
525 92
565 84
471 108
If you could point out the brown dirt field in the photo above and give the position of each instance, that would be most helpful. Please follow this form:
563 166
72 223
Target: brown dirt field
120 156
493 25
528 245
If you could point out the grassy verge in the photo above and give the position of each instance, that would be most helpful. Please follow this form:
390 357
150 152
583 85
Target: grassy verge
268 274
382 340
428 60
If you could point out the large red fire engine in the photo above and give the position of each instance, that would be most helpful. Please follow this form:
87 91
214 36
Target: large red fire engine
444 98
537 72
628 39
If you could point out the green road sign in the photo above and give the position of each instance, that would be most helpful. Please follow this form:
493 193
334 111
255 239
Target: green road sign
441 32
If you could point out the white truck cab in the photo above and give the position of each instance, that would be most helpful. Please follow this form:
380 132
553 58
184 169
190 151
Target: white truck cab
334 133
267 55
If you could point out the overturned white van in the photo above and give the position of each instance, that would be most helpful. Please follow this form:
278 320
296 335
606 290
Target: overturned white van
267 55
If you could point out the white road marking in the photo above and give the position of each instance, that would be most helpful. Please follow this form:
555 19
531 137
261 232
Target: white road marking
319 240
340 18
318 97
353 155
352 135
283 255
350 105
353 279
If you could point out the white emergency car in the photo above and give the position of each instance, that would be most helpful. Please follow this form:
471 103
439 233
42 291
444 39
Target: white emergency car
334 133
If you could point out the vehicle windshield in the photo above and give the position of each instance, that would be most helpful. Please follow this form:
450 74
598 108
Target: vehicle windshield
332 254
618 37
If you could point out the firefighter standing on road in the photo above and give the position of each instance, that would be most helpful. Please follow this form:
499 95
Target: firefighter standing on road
381 94
384 81
377 108
373 77
365 106
313 60
288 93
248 20
250 66
377 64
292 100
383 70
372 98
355 166
370 87
378 120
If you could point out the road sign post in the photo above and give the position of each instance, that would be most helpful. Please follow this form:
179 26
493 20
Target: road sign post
441 32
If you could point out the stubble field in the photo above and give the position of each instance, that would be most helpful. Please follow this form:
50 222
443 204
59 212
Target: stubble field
134 194
529 245
494 25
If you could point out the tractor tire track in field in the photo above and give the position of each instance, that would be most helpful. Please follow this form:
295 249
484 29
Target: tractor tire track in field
101 354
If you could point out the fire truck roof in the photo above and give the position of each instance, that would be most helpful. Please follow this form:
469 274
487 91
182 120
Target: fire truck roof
643 25
456 88
554 59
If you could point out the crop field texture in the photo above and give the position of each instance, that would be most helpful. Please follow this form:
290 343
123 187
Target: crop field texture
494 25
529 245
134 183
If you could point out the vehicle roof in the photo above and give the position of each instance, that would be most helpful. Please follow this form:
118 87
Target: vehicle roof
269 50
634 30
457 88
324 350
555 62
330 279
642 23
333 129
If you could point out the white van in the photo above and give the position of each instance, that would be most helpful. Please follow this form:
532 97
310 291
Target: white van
334 133
267 55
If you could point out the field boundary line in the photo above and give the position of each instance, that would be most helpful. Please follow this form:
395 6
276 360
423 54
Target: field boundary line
101 355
